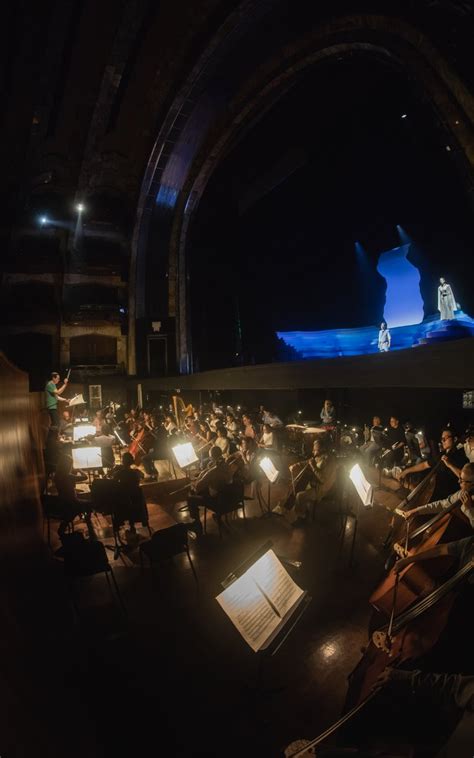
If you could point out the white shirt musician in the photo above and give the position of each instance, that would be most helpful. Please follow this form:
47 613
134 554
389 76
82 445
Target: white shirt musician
463 495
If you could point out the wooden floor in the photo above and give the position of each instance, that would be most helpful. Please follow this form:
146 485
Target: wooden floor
175 672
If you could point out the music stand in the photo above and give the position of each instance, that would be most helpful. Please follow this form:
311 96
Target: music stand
365 494
263 574
272 474
87 459
185 456
80 431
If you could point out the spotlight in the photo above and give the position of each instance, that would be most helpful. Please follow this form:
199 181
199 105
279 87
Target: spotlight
79 207
404 115
43 220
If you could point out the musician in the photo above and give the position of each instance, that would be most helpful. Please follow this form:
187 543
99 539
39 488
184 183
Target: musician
246 460
468 452
328 413
445 477
71 506
129 479
469 444
98 420
413 451
270 418
232 426
222 441
375 443
105 440
463 495
170 426
250 430
53 396
396 440
207 487
461 549
452 691
267 440
322 466
214 420
66 424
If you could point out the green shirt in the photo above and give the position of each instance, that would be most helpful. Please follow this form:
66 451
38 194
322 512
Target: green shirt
51 397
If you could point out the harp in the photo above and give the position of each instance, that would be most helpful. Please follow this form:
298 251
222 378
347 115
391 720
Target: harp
181 411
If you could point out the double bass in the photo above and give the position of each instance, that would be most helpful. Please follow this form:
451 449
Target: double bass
407 638
416 580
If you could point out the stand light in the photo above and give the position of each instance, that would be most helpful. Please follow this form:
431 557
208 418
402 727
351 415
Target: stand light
83 430
185 454
268 468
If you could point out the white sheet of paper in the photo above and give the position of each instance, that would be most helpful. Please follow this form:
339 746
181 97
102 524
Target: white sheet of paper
275 582
258 601
86 457
83 430
364 489
77 400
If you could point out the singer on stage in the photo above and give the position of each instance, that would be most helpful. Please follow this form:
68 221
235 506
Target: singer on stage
53 395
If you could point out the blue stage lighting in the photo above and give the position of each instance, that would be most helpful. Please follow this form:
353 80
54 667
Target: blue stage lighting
404 237
43 220
403 300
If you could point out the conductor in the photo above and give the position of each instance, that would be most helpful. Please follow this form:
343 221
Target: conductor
53 396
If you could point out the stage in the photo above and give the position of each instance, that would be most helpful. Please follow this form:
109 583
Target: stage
332 343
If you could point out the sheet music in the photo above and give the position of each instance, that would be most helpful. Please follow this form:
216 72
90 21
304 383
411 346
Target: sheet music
258 601
364 489
275 582
77 400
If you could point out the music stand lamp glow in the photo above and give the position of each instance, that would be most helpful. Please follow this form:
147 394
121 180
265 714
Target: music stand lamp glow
87 459
272 474
365 494
83 430
185 456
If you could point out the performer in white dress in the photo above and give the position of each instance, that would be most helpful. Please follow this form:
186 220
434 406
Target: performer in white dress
384 338
446 301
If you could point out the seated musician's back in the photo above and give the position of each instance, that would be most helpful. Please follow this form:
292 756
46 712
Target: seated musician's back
216 478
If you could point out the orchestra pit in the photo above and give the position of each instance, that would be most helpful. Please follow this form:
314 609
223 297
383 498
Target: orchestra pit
236 361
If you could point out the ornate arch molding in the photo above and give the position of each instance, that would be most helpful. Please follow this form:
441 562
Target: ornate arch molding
200 128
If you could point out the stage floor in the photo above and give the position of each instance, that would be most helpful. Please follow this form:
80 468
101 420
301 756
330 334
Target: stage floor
331 343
